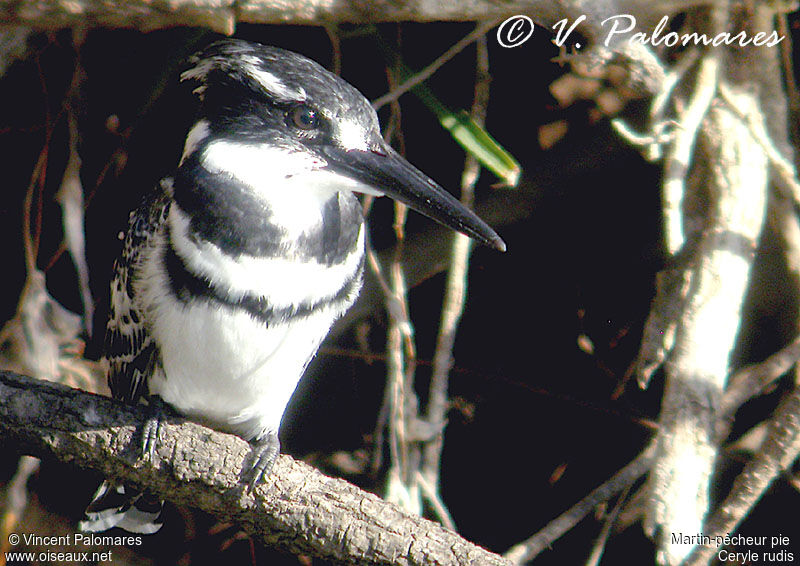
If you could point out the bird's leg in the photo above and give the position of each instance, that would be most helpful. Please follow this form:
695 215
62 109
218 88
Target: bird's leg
156 413
265 451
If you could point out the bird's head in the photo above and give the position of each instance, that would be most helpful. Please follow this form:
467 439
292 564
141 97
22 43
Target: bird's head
273 118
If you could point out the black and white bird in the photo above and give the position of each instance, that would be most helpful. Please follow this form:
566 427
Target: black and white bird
234 269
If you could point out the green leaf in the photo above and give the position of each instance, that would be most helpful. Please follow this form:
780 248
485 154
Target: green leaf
465 131
477 141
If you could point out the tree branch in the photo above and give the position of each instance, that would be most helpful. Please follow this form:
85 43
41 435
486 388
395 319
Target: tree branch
222 16
622 480
297 508
697 366
779 450
453 303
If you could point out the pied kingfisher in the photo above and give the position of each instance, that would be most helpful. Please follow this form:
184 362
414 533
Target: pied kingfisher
235 267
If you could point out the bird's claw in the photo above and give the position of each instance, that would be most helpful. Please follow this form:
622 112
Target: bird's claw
265 452
152 426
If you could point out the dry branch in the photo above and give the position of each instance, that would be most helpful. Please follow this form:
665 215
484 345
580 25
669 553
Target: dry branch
297 508
453 305
716 194
697 367
748 382
223 15
779 450
620 481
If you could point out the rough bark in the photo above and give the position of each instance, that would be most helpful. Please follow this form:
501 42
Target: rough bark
223 15
716 196
297 508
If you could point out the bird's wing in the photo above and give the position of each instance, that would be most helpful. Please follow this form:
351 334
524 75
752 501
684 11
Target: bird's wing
130 350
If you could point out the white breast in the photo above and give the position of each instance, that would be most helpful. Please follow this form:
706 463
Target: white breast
221 365
229 370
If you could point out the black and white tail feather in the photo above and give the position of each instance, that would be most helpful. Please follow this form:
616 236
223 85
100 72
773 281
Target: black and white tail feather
124 507
131 356
235 268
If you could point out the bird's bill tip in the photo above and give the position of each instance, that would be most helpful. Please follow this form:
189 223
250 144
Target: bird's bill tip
498 244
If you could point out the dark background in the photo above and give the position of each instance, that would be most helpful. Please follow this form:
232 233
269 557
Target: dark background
536 423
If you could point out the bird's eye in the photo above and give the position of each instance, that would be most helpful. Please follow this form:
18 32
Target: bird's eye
303 117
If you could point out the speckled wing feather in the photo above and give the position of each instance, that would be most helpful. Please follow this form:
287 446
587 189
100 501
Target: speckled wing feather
131 353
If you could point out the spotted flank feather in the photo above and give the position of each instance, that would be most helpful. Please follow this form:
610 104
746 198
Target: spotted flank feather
132 358
131 353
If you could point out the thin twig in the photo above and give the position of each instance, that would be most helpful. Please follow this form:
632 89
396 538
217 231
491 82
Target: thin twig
675 75
402 487
70 193
401 350
431 494
16 502
661 130
454 298
749 381
36 233
428 71
118 155
28 241
336 45
779 450
661 325
679 155
383 414
381 421
787 180
624 478
600 544
787 61
783 220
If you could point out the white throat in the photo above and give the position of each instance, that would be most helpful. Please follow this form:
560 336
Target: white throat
294 184
278 177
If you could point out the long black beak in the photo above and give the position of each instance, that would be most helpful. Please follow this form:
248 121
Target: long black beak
389 173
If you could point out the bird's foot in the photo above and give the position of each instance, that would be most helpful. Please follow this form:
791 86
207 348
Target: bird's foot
265 452
156 414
